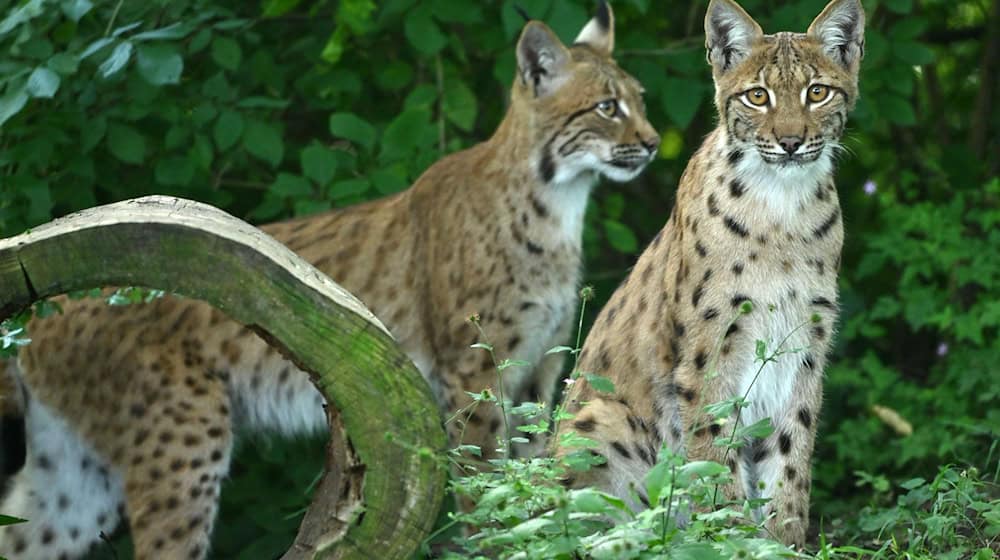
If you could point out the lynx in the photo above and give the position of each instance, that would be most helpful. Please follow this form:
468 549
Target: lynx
750 253
130 411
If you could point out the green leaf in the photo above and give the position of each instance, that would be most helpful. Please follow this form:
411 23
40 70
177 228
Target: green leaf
42 83
76 9
63 63
125 143
387 181
159 64
701 469
123 29
680 99
47 308
227 129
226 53
908 28
348 187
318 163
531 527
760 429
423 33
760 350
258 102
291 186
620 237
12 102
508 363
39 200
172 32
656 479
423 96
8 520
899 6
275 8
457 11
600 383
92 133
263 141
696 551
897 109
117 60
199 41
351 127
403 134
394 76
913 483
96 46
913 53
459 105
174 171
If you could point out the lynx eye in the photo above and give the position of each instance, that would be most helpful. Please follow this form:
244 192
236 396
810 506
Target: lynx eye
818 93
608 108
757 97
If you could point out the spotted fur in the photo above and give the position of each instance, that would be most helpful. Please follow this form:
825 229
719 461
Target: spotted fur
756 221
130 411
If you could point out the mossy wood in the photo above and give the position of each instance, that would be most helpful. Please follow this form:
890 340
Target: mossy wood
378 498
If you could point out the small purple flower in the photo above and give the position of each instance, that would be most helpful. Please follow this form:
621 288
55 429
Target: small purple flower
870 187
942 349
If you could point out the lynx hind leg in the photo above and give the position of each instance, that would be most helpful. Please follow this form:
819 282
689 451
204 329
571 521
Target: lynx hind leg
627 443
66 493
179 455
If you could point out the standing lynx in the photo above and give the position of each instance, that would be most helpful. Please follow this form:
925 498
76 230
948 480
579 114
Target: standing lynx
756 222
130 411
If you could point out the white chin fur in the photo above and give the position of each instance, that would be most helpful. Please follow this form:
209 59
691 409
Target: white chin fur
588 163
783 187
620 174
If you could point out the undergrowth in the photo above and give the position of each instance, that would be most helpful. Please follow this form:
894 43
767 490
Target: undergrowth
522 511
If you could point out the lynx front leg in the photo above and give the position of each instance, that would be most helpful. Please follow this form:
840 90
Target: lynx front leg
785 475
180 453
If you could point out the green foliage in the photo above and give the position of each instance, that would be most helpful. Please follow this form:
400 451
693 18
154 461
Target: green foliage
523 510
287 107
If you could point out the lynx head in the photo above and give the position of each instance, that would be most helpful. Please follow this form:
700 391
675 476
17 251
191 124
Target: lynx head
785 96
585 113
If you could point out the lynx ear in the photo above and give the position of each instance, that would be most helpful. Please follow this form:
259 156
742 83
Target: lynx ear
541 58
729 33
599 32
841 29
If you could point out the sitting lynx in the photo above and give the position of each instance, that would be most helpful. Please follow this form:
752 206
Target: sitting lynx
130 411
756 220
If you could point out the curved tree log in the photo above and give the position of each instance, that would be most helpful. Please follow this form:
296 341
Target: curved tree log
378 499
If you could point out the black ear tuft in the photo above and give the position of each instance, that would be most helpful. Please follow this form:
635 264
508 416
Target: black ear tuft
599 33
520 11
603 16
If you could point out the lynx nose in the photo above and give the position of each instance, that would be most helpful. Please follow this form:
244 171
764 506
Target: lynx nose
790 143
